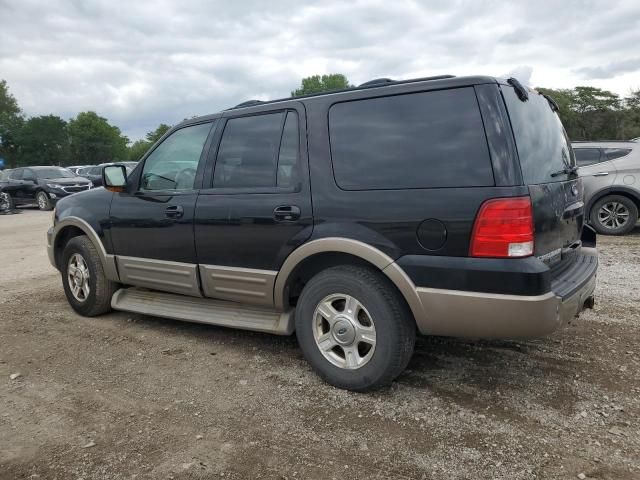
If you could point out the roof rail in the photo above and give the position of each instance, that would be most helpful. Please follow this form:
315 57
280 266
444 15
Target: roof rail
248 103
375 81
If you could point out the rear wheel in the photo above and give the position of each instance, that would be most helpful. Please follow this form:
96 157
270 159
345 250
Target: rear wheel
354 328
614 215
87 288
44 203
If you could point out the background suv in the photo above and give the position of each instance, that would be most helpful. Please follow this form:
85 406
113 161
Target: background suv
42 185
443 206
611 177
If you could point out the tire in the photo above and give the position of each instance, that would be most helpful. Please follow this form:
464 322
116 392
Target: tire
6 202
97 300
614 215
44 202
377 305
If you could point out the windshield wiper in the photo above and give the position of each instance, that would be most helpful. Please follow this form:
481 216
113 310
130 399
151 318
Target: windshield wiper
568 170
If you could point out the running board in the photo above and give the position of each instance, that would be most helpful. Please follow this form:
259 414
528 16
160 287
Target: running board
203 310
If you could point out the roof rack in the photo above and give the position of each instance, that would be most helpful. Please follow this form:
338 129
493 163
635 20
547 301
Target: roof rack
377 82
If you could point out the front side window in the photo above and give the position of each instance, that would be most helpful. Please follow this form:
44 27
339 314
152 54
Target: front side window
587 156
248 153
173 164
418 140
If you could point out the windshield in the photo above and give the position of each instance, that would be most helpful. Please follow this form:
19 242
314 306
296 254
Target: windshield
543 146
53 172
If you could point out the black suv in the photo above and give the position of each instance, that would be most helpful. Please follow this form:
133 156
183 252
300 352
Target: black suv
41 185
442 206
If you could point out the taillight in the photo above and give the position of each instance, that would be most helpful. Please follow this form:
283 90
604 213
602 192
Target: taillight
503 228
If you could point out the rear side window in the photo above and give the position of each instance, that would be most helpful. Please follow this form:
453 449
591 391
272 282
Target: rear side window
613 153
258 151
419 140
16 174
587 156
543 145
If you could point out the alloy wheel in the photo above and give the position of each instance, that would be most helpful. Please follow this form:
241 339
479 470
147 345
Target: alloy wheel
613 215
78 277
344 331
42 201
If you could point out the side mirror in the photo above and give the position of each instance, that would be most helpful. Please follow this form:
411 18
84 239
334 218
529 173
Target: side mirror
114 177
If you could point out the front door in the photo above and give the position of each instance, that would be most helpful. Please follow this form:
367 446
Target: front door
152 222
256 208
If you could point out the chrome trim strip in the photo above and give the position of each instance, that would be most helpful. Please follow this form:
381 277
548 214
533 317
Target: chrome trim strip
163 275
244 285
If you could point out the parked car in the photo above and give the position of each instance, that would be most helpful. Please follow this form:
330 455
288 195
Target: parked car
76 168
611 177
446 206
42 185
94 172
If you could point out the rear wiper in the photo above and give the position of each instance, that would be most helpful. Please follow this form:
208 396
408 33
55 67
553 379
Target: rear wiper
568 170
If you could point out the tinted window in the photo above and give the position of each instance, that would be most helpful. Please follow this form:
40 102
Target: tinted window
288 156
173 164
613 153
16 174
248 152
587 156
28 174
543 146
53 173
420 140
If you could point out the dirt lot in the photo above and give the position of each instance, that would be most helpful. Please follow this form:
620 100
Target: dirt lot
130 396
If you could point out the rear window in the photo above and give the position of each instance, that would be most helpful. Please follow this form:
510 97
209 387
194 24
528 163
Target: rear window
419 140
543 145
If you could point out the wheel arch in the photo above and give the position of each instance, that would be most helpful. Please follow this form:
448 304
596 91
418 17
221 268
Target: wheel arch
71 227
323 253
630 193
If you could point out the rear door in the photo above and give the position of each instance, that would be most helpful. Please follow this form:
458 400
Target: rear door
255 207
546 159
15 185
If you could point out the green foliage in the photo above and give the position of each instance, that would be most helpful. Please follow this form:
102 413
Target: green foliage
44 141
11 120
324 83
140 147
153 137
590 113
93 140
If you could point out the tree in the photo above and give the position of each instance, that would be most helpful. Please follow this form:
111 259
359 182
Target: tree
324 83
43 141
137 150
11 121
140 147
93 140
153 137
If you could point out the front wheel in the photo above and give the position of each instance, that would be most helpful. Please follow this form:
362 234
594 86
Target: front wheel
354 328
87 288
44 202
614 215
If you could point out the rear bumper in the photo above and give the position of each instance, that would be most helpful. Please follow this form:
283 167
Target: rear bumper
493 315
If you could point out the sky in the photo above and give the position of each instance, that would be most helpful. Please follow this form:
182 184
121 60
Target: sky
142 63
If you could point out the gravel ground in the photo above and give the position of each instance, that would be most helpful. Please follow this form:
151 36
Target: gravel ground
130 396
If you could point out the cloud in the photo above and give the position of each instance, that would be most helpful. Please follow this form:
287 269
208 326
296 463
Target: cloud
143 63
610 70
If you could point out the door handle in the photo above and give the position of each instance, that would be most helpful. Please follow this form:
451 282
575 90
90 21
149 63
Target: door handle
286 213
174 211
600 174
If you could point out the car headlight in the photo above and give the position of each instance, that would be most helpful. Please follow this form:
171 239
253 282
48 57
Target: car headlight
54 185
